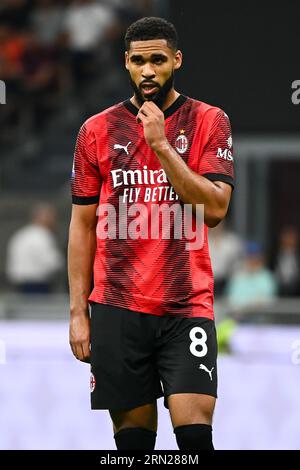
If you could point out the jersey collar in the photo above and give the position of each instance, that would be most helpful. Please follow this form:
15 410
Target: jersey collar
167 112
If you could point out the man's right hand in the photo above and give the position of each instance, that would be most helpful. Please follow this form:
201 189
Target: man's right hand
80 336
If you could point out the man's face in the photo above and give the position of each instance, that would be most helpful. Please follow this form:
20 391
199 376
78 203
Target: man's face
151 66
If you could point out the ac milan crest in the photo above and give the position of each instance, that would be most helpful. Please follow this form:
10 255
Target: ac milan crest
181 142
92 383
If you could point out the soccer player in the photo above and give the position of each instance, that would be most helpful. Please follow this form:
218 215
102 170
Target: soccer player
150 332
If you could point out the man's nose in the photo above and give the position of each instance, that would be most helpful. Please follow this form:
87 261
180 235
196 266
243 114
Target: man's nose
148 71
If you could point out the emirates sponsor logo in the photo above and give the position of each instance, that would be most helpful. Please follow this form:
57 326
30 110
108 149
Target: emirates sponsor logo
131 177
144 185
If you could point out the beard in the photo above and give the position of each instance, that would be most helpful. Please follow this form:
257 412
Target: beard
159 97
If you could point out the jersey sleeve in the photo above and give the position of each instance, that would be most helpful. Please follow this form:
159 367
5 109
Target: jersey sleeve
86 178
216 162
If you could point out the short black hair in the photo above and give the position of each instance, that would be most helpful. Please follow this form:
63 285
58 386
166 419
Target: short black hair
151 27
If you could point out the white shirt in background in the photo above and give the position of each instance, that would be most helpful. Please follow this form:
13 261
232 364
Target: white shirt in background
87 25
32 255
226 253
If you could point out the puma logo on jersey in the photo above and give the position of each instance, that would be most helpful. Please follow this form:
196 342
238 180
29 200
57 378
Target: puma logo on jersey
203 367
124 147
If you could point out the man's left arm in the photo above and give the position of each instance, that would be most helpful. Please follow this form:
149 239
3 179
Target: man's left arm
191 187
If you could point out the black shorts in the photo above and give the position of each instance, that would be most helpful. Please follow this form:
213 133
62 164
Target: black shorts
137 358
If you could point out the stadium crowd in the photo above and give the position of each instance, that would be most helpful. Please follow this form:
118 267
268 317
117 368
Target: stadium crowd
51 48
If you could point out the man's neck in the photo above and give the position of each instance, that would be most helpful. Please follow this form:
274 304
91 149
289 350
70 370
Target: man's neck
171 97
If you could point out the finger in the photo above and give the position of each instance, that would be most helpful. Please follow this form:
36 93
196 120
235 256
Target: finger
73 349
143 110
146 111
78 352
148 108
152 112
85 351
152 107
140 117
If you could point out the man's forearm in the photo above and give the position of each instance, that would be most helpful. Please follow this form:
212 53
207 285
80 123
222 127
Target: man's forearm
81 252
191 187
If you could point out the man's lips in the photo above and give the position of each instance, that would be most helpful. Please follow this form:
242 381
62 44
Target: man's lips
149 88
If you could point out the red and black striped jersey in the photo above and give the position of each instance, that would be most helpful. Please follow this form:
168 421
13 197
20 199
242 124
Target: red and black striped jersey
114 167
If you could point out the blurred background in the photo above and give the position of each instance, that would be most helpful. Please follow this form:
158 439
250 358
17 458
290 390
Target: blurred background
61 62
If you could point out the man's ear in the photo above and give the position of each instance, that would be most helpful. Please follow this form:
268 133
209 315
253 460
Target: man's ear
126 59
178 60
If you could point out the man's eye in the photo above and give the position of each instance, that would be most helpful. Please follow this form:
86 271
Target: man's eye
158 61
